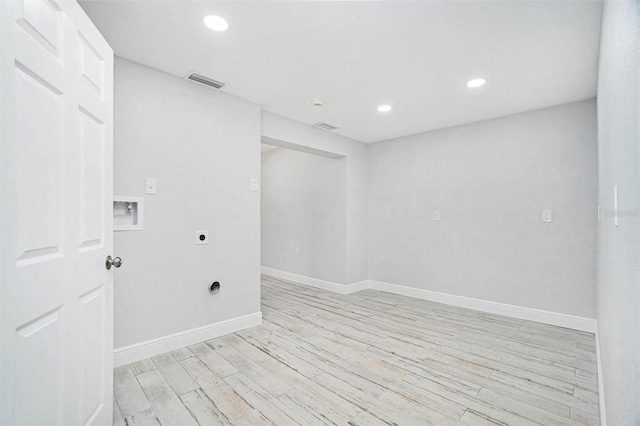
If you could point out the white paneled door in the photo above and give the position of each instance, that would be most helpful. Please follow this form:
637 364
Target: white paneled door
56 124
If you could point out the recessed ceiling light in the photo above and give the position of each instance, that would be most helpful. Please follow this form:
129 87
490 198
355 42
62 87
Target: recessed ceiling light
216 23
384 108
476 82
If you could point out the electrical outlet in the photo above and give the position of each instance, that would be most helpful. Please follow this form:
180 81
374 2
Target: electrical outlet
547 216
202 237
253 185
436 215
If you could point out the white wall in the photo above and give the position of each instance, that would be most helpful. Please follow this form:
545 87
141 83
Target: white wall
303 204
203 147
278 129
618 293
490 181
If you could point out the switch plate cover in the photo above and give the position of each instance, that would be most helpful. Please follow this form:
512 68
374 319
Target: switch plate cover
151 186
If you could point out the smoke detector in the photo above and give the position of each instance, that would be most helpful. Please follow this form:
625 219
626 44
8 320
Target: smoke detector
317 102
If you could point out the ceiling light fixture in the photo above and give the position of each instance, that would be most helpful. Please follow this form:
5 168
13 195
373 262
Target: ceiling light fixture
384 108
216 23
476 82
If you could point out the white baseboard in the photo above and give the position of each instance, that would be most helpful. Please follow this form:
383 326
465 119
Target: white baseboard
129 354
520 312
603 414
314 282
537 315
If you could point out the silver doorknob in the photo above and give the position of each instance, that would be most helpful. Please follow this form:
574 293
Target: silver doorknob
116 263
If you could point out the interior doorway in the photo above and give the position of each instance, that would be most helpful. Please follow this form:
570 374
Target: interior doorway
303 214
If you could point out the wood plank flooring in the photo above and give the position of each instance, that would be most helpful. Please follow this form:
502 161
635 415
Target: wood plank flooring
369 358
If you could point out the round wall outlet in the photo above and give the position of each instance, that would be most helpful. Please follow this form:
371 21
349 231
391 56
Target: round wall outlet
202 237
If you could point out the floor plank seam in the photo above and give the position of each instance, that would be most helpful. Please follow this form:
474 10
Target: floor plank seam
369 358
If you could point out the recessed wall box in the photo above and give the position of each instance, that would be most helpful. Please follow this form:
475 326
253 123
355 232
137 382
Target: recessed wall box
128 213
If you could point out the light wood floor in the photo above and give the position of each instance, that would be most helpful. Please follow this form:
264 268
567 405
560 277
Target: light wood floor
370 358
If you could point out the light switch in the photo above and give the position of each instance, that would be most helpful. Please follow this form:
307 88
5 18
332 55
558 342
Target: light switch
254 184
436 215
151 186
547 216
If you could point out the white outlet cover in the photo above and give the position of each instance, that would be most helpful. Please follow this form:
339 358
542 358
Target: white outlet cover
436 215
547 216
202 237
253 185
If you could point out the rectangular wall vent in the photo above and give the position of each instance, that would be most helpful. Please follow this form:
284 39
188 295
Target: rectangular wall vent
325 126
205 80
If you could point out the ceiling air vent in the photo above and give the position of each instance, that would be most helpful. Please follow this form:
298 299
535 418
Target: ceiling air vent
325 126
205 80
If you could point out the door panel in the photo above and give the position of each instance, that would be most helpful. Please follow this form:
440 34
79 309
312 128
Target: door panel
41 144
56 297
42 20
92 354
91 65
92 196
40 367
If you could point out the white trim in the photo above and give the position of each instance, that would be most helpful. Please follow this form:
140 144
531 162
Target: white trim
138 351
530 314
314 282
603 414
520 312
